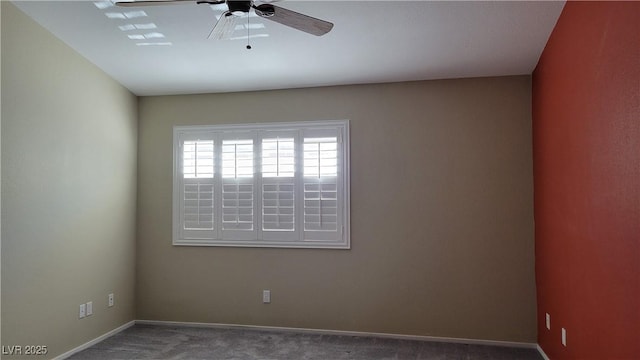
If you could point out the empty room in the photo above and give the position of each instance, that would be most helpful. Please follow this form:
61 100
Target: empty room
322 180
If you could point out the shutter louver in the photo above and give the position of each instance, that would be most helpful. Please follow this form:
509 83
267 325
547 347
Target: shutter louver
278 184
198 189
320 184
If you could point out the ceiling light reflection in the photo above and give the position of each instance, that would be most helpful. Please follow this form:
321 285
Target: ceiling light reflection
135 14
129 27
115 15
145 26
103 4
154 35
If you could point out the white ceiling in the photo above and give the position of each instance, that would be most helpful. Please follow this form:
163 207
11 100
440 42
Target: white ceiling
371 42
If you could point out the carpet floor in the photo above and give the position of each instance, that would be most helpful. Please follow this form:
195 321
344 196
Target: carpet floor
173 342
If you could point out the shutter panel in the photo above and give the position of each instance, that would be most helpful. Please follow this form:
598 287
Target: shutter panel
278 187
197 190
322 191
278 207
238 190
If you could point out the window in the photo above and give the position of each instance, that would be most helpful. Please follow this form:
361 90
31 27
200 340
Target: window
271 185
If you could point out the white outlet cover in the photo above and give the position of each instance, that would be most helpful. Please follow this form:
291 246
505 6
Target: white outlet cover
266 296
564 337
90 308
83 311
548 319
110 300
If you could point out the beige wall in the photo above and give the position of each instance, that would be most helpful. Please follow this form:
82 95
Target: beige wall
442 216
69 135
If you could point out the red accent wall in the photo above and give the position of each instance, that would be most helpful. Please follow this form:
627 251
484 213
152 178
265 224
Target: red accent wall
586 145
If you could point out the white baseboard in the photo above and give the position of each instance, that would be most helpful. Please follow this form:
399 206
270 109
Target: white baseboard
544 355
95 341
341 332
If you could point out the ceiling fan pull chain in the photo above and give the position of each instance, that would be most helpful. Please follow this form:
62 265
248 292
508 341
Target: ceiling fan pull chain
248 45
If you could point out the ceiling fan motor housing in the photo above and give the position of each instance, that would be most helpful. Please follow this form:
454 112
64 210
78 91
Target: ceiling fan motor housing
241 6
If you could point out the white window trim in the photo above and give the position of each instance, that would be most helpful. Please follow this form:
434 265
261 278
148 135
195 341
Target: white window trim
342 128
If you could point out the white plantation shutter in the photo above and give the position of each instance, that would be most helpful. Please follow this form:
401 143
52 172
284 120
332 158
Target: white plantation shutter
278 185
197 184
278 161
238 189
322 190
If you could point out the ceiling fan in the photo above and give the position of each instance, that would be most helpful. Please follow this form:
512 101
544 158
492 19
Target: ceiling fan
238 8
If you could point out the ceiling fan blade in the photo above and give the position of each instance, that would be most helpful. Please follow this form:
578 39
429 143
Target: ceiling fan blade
151 2
294 19
224 27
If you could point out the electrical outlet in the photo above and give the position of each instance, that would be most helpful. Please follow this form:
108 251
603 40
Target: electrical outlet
564 337
548 319
90 308
266 296
83 311
110 300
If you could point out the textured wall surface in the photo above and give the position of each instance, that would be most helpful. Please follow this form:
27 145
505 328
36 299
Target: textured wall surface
69 136
586 121
441 216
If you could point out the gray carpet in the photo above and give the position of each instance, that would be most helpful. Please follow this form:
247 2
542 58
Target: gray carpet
165 342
